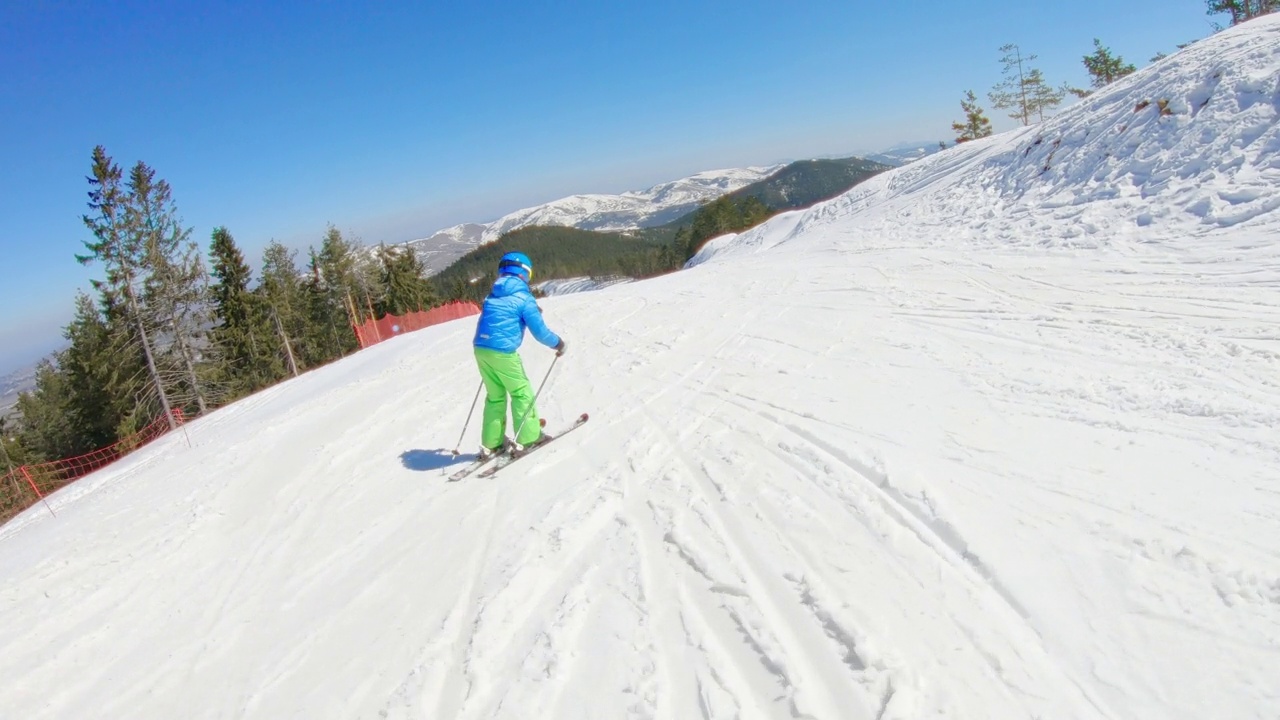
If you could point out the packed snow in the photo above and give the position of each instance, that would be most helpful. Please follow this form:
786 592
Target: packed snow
577 284
994 435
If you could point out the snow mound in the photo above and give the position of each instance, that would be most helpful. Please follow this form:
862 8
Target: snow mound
777 231
1184 147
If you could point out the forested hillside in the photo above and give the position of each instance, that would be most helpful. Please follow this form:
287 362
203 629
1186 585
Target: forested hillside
558 252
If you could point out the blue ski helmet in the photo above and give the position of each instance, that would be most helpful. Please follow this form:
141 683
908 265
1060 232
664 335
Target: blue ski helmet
518 264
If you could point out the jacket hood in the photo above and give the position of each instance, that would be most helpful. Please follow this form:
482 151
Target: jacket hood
508 285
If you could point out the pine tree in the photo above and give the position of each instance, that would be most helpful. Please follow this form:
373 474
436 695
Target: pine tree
976 124
681 244
1011 93
121 250
47 428
127 377
85 397
1041 96
334 296
242 333
319 342
1023 90
336 291
404 285
366 280
1242 10
176 286
12 456
1103 68
103 369
282 295
455 288
752 211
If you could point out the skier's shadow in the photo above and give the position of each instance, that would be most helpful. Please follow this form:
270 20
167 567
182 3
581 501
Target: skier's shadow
424 460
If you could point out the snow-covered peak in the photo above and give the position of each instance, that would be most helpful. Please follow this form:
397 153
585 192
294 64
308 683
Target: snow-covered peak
703 186
463 233
633 209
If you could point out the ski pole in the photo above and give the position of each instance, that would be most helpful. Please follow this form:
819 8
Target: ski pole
469 414
524 417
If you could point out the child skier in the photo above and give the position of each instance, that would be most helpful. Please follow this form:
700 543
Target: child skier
508 310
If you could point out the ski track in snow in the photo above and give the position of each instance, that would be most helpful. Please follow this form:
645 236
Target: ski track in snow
875 460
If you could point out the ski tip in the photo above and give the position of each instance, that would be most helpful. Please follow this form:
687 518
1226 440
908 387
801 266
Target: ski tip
583 418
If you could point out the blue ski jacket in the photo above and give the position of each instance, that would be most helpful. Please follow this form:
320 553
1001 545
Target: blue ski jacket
508 310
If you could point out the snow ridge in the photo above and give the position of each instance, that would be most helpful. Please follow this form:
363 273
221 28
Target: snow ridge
1186 146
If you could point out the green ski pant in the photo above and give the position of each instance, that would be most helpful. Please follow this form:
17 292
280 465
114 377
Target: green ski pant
503 374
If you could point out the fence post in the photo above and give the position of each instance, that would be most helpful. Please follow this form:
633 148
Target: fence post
17 490
32 483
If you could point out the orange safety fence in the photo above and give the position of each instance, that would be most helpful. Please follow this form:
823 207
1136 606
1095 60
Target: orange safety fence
29 484
389 326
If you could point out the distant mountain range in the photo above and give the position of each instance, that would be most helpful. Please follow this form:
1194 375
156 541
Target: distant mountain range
903 153
797 185
806 182
18 381
782 186
630 210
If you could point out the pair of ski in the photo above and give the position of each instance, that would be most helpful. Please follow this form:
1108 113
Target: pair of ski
489 466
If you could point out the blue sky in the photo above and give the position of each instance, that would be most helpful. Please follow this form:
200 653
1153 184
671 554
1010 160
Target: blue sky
397 119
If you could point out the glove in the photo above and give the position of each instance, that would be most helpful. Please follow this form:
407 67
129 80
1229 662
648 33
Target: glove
560 347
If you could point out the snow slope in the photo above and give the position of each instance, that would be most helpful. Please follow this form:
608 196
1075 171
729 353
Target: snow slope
577 284
627 211
973 441
902 153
